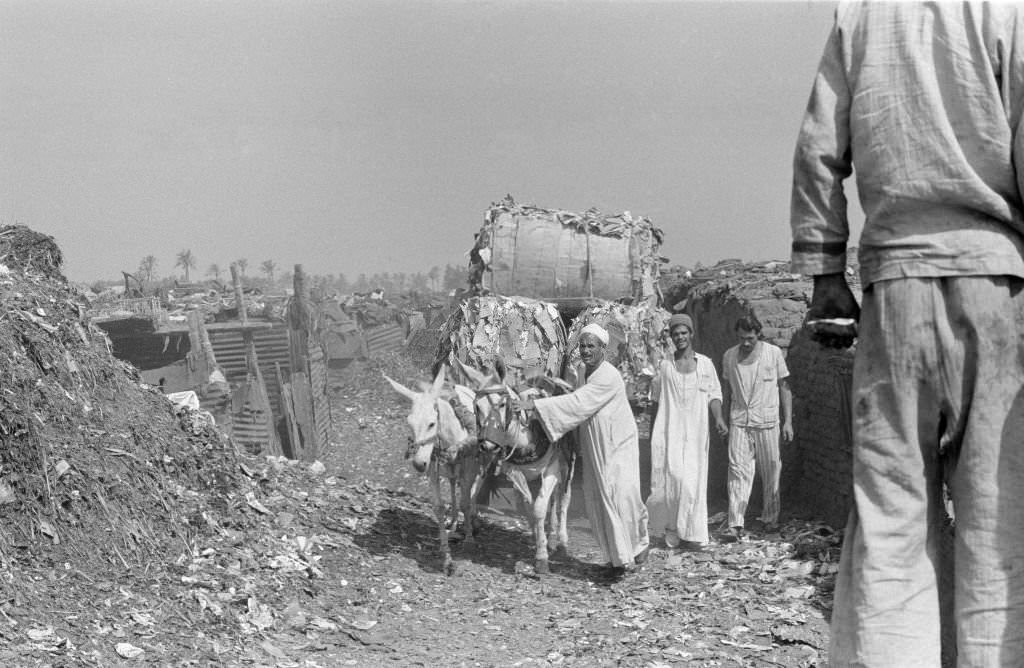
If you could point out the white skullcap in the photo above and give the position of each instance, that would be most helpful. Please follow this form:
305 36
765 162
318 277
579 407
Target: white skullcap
597 331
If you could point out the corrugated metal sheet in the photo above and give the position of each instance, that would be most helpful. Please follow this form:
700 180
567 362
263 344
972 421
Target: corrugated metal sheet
384 338
271 348
251 430
251 425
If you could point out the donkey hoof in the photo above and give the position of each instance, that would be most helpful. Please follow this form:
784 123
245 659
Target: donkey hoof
541 567
449 568
560 552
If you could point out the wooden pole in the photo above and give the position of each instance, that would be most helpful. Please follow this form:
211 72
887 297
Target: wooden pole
300 320
239 299
251 366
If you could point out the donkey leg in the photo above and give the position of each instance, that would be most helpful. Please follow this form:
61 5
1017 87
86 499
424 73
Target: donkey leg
467 483
540 512
554 526
439 512
453 507
561 512
519 483
478 479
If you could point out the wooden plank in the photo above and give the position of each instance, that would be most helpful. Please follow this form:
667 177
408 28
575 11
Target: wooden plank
302 402
288 409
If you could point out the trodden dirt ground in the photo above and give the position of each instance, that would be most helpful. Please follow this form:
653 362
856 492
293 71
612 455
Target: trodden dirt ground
336 564
762 602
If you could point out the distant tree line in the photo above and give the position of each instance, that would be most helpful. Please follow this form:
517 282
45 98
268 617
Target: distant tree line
436 279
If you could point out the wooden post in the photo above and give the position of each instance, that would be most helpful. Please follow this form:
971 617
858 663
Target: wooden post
288 403
251 365
310 407
299 317
236 282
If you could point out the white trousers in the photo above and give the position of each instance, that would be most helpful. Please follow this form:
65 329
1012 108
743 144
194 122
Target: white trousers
753 450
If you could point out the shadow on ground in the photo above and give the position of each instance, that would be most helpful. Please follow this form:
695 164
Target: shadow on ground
414 535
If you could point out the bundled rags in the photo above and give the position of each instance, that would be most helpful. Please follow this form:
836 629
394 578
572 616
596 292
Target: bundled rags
637 341
526 335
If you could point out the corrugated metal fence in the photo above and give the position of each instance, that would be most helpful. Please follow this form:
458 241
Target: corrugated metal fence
271 348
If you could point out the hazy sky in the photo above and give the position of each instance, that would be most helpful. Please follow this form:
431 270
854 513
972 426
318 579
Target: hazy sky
371 136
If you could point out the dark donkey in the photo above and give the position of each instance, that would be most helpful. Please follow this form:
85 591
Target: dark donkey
522 452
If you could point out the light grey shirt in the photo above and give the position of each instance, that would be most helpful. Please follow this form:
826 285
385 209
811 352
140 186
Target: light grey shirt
923 102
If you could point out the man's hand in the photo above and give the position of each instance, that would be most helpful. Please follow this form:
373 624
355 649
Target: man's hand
524 404
787 431
833 299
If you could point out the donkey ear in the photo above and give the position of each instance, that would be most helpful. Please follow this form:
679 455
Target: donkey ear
402 389
474 376
439 380
499 368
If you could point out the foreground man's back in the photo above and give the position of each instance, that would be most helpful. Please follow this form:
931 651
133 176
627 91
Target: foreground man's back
928 100
923 102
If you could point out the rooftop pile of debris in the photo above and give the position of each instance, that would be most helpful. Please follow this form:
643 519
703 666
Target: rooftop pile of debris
169 308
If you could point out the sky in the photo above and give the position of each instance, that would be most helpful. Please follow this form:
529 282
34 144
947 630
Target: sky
370 136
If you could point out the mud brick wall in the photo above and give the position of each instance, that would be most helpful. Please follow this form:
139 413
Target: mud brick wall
816 468
779 301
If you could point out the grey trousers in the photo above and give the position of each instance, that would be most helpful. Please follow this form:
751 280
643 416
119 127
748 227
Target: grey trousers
938 397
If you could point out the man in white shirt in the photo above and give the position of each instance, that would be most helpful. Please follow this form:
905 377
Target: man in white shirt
756 387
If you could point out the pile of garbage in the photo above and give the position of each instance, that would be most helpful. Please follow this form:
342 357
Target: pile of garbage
97 468
637 342
527 335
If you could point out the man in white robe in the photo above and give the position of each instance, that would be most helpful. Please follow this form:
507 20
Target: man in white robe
686 391
609 449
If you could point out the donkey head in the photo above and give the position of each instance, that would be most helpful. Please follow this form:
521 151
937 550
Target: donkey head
424 421
499 427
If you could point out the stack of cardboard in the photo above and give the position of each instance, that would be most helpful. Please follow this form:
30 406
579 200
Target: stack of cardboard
527 335
637 342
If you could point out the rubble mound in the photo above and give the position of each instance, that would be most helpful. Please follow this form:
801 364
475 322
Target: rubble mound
97 469
29 251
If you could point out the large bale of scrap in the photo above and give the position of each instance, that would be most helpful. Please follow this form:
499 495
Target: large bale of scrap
527 335
565 257
637 342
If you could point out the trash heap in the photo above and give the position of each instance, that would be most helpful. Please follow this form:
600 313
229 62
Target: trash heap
527 335
637 342
96 468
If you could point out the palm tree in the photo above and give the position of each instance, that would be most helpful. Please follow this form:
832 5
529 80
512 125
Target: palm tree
268 267
214 271
147 268
186 261
242 264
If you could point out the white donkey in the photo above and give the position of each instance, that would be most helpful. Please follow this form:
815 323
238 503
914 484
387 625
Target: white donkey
443 447
523 453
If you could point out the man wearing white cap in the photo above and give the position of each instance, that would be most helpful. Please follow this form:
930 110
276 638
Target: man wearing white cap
610 451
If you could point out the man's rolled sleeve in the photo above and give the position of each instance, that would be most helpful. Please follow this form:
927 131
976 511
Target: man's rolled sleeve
821 163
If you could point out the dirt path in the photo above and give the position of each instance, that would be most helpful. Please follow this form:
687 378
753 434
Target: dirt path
336 564
756 603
